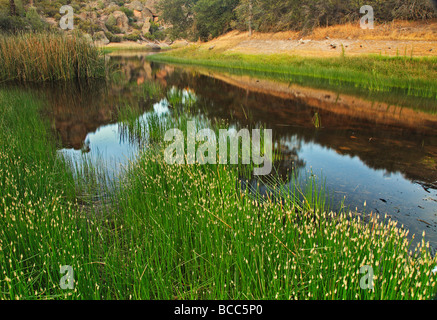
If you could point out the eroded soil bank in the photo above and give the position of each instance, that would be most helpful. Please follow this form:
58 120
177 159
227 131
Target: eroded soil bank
397 38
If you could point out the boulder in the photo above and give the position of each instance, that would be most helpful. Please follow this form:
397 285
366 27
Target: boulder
143 15
179 43
52 21
135 5
152 46
165 46
146 26
100 38
88 38
122 20
138 15
152 6
112 7
147 13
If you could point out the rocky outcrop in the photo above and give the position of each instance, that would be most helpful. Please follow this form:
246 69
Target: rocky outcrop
130 21
100 38
152 46
144 18
152 6
146 26
135 6
122 20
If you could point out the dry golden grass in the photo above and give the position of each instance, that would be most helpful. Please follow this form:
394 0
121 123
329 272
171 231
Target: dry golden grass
397 30
395 38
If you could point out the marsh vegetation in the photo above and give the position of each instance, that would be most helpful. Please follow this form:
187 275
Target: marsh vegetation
182 232
161 231
49 57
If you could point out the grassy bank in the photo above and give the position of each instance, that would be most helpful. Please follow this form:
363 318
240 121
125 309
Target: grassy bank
49 57
181 232
402 75
41 226
208 239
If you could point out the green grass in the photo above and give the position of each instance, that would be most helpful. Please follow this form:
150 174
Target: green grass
207 239
404 80
49 57
41 227
181 232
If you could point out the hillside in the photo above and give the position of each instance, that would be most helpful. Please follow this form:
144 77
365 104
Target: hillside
106 21
154 25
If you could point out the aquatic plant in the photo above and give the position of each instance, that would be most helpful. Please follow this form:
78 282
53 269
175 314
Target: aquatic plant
41 227
183 231
209 239
49 57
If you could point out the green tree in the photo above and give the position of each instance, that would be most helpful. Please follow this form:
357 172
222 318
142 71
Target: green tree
180 15
248 15
35 20
214 17
12 8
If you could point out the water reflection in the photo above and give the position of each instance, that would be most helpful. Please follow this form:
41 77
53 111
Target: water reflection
373 155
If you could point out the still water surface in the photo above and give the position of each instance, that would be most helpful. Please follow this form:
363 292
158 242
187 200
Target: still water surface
374 156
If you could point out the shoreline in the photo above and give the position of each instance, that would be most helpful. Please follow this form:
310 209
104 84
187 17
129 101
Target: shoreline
399 38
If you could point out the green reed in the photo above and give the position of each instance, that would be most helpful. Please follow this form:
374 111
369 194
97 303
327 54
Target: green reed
191 232
49 57
182 231
41 226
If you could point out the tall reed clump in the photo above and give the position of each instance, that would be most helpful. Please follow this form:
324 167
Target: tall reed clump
190 232
41 227
183 231
49 57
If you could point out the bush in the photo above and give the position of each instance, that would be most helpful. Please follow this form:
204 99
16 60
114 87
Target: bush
111 21
135 36
128 12
30 20
12 24
136 26
50 8
111 24
112 37
35 20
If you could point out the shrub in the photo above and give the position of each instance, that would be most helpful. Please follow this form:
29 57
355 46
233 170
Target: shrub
111 24
112 37
128 12
35 20
13 24
111 21
135 36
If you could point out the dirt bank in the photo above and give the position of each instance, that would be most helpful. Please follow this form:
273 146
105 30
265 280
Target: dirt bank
397 38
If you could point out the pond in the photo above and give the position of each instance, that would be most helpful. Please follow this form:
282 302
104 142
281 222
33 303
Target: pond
372 154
